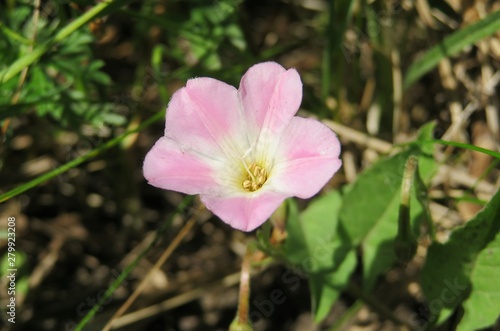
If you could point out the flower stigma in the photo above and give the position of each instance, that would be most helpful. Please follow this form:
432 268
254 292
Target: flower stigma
256 177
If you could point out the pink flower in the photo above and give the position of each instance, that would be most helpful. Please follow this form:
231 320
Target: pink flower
243 150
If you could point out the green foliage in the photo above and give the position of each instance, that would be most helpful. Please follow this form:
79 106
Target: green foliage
327 286
483 305
449 267
405 243
339 16
461 269
21 265
314 246
324 239
212 28
375 226
311 236
66 82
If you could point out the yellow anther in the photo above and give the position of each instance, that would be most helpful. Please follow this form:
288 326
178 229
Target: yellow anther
256 177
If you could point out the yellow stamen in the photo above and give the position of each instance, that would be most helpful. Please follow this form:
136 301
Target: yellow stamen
256 177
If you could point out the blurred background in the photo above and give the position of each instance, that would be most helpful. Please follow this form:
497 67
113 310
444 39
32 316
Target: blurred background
114 72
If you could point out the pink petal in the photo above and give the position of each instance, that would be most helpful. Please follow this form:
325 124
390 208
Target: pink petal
270 95
244 212
308 158
169 167
206 116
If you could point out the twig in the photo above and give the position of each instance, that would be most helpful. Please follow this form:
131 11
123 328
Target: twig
460 120
461 177
349 165
444 216
48 262
146 242
163 258
174 302
425 14
359 138
397 95
244 297
367 96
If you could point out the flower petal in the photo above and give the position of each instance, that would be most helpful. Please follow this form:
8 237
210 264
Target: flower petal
206 116
168 167
270 96
308 157
244 212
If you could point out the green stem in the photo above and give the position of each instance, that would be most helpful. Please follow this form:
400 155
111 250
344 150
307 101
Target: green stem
79 160
405 244
467 146
80 21
327 53
23 62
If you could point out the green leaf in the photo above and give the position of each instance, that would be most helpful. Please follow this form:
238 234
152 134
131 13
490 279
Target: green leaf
448 267
23 62
369 213
14 35
40 85
452 45
426 133
326 287
113 119
310 241
236 37
21 264
378 244
423 200
314 245
483 305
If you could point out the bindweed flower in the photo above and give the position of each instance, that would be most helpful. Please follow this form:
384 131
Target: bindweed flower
243 151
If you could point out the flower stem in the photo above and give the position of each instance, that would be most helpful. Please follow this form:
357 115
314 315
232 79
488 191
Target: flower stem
241 321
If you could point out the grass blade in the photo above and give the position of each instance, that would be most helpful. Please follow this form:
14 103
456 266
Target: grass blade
468 146
452 45
79 160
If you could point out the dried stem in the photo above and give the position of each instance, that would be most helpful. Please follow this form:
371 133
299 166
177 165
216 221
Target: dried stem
244 298
171 303
163 258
